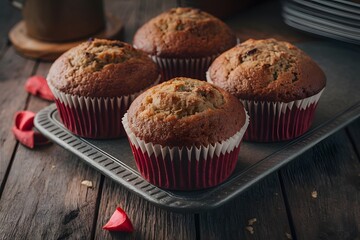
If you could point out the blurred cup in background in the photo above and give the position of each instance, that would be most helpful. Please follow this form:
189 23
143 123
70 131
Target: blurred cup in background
61 20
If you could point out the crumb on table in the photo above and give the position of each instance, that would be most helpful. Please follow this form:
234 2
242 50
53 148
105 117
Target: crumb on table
252 221
250 229
314 194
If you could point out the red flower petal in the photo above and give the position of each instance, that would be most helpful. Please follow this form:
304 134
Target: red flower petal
25 137
37 85
24 120
119 221
23 130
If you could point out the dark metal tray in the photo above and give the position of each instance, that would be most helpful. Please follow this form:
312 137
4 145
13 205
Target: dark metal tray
339 105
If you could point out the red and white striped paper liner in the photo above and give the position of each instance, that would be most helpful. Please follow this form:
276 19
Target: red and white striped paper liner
279 121
186 168
93 117
183 67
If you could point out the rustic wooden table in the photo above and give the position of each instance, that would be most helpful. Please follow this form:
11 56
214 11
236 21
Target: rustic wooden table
41 196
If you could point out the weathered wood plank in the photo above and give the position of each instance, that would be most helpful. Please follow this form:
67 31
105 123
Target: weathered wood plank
14 70
43 197
322 187
149 221
258 213
8 18
353 130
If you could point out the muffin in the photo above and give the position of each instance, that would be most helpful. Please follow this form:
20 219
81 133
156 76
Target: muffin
95 82
184 41
278 84
185 134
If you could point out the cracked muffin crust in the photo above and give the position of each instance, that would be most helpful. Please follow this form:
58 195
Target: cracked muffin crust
185 112
184 32
103 68
267 70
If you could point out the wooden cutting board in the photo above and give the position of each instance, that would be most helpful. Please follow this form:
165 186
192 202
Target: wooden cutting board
49 51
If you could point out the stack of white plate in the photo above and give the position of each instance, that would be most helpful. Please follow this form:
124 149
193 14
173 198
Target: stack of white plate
338 19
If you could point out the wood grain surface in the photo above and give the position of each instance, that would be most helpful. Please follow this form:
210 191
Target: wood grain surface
14 70
149 221
322 189
49 51
258 212
353 130
43 195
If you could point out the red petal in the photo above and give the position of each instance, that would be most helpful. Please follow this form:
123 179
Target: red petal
37 85
25 137
24 120
119 221
23 130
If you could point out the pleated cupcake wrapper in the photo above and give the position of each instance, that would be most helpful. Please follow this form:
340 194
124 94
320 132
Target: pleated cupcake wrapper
279 121
183 67
93 117
186 168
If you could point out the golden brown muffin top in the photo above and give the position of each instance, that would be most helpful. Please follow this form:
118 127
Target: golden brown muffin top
102 68
185 112
267 70
184 32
